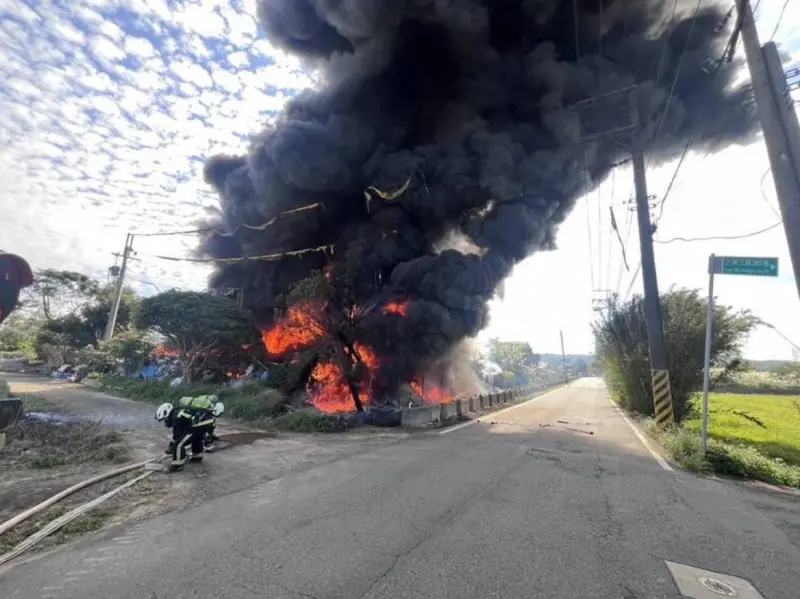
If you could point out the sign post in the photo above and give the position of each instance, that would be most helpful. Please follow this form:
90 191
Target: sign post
727 265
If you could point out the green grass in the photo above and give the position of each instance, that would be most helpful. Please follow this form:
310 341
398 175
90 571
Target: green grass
253 402
90 522
42 445
755 437
768 423
308 421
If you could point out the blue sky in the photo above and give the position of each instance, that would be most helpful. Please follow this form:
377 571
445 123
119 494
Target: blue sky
110 107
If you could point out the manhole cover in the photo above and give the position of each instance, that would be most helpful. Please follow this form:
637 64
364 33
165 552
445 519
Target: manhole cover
717 586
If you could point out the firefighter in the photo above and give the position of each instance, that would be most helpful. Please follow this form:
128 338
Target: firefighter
189 427
208 407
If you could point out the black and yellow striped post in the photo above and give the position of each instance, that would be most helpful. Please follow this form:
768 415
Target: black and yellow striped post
662 398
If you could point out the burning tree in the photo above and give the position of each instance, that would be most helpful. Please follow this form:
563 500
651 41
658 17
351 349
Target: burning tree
438 153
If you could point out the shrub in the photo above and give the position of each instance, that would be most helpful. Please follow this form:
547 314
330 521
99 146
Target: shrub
685 447
309 421
622 347
256 407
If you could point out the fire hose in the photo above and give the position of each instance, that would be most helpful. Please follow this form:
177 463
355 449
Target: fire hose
79 511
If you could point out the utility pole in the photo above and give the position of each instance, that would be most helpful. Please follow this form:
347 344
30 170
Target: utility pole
563 358
635 144
781 132
662 395
112 316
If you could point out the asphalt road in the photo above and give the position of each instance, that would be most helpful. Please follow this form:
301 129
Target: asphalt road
86 403
524 504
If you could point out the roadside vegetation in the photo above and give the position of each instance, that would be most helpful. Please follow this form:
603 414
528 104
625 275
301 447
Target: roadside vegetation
753 436
43 444
88 523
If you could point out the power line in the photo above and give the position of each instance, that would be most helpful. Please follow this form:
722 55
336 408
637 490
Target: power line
588 219
677 70
622 246
777 330
261 227
240 259
633 280
692 137
780 18
664 113
719 237
764 195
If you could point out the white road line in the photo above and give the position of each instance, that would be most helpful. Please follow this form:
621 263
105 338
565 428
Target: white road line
642 439
498 412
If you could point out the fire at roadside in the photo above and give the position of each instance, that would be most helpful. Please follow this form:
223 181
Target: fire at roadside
373 220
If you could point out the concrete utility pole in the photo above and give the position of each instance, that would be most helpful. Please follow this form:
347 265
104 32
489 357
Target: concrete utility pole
563 358
112 316
779 124
635 144
662 395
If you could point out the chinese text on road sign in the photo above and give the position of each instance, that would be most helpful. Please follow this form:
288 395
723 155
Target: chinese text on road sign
758 267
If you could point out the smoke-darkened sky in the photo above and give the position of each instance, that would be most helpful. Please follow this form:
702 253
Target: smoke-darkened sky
466 100
115 106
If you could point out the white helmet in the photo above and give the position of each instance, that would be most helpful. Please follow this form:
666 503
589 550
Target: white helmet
218 409
163 411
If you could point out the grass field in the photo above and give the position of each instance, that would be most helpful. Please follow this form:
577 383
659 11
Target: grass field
769 423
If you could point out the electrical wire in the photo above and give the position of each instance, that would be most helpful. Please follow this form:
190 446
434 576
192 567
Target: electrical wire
719 237
764 195
780 18
261 227
240 259
633 280
588 221
666 106
694 135
677 72
777 330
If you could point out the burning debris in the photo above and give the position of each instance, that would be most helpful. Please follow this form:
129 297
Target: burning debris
437 154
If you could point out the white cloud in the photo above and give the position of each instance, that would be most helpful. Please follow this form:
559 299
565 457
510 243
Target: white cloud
66 30
238 59
139 46
192 73
104 49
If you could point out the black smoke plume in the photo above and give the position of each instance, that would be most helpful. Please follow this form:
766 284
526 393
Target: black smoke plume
466 100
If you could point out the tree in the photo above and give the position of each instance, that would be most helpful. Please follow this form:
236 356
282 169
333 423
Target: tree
130 346
513 356
60 292
84 327
622 349
18 333
197 325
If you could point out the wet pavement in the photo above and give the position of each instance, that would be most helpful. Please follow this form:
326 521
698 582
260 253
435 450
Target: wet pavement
77 401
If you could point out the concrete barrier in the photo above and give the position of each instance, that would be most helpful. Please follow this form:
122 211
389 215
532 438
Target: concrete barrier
462 407
426 416
448 411
420 417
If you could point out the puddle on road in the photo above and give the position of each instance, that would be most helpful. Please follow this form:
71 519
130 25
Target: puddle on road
54 417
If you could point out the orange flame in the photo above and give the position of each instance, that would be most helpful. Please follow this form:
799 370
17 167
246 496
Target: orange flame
297 330
431 394
162 351
399 308
328 387
330 392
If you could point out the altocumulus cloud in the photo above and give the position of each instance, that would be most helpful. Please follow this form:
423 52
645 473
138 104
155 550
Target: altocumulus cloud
110 108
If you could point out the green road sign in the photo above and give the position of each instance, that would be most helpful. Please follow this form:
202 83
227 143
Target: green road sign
757 267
